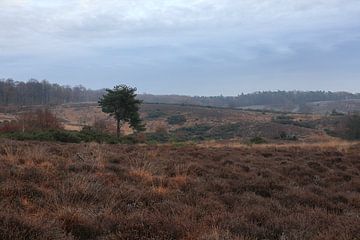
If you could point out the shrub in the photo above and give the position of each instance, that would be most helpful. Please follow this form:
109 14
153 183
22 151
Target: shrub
57 135
287 136
258 140
226 131
41 119
85 135
176 120
155 114
197 132
353 127
65 136
160 137
38 120
283 119
100 125
89 134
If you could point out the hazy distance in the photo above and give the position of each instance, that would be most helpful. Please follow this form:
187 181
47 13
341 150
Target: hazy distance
193 47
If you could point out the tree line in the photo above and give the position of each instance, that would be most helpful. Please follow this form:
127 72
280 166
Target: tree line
34 92
250 99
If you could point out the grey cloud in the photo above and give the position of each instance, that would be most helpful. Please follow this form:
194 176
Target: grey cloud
166 41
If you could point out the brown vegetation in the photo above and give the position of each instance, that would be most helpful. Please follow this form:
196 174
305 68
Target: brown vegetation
40 119
92 191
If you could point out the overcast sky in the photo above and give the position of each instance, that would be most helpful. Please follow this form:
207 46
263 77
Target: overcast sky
195 47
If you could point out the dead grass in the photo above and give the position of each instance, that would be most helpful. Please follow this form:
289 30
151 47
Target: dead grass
331 143
216 192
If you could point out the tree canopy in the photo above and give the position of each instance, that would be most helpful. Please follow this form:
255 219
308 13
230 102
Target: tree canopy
121 103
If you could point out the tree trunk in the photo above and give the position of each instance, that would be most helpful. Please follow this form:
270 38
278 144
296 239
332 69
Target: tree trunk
118 128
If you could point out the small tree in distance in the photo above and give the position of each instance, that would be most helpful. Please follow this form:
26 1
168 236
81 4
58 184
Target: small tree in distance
121 103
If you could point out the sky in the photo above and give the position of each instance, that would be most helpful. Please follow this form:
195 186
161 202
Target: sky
192 47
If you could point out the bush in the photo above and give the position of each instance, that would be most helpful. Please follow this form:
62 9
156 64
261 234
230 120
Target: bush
58 135
287 136
89 134
176 120
161 137
226 131
258 140
197 132
68 137
353 127
39 120
155 114
283 119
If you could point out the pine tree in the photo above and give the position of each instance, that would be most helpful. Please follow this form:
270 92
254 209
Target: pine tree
121 103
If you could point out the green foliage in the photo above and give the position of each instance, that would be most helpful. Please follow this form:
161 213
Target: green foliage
56 135
121 103
155 114
288 136
197 132
258 140
158 137
283 119
89 134
226 131
66 136
176 119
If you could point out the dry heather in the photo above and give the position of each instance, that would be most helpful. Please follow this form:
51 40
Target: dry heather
92 191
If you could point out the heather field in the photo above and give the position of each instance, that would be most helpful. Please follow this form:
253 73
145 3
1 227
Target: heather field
179 120
179 191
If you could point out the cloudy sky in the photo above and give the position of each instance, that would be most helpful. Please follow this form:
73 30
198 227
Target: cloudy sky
196 47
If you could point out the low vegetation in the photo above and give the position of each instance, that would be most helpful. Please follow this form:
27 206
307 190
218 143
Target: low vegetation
285 119
345 127
353 127
42 125
155 114
257 140
176 119
99 191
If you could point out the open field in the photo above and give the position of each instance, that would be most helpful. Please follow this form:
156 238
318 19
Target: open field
93 191
200 123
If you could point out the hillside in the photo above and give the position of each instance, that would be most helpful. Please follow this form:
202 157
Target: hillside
34 92
198 123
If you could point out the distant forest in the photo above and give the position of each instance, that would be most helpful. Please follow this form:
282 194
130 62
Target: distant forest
251 99
34 92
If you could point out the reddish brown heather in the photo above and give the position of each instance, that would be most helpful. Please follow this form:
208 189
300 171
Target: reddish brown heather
92 191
